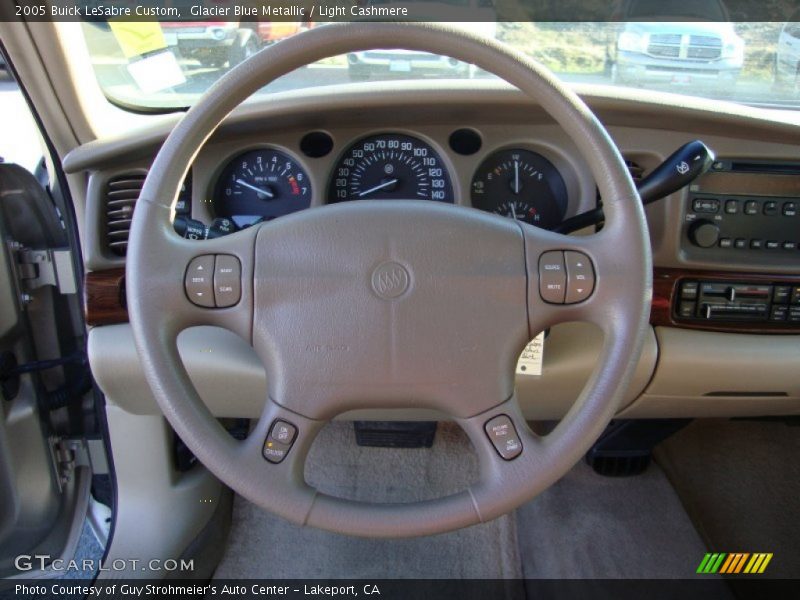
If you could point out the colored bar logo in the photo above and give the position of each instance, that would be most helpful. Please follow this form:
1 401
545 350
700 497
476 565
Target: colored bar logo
734 563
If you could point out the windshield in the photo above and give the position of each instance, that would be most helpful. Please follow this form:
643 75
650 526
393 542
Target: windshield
692 54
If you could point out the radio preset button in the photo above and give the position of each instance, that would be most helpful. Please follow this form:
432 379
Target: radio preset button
705 205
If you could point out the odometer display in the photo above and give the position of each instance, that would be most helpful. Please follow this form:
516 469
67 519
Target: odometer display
390 167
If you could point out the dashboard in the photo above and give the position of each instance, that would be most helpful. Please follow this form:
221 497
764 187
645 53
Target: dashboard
726 309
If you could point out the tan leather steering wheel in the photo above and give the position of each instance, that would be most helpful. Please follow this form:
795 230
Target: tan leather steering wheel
389 305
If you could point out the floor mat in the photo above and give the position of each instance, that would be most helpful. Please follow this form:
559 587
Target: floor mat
594 527
265 546
585 526
740 483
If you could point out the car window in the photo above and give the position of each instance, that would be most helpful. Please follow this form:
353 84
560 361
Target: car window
693 55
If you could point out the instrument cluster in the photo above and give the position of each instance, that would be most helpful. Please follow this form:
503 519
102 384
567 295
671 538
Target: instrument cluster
264 183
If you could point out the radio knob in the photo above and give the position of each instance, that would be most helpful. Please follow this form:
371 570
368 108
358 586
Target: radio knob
704 234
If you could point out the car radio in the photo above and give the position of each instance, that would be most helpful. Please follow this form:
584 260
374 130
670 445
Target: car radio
744 211
734 301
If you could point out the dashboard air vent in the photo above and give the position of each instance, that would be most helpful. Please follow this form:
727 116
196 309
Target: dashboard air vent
637 172
122 192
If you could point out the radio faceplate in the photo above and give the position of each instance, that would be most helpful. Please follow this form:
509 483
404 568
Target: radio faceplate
734 301
743 223
744 212
726 301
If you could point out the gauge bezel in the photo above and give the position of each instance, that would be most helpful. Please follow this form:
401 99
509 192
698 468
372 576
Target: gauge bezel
442 153
555 155
213 184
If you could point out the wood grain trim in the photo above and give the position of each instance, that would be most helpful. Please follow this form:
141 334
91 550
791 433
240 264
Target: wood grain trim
104 297
665 286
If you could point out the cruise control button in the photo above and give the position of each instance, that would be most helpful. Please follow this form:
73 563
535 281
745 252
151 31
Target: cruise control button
279 441
199 281
227 280
282 432
580 277
552 277
504 437
274 451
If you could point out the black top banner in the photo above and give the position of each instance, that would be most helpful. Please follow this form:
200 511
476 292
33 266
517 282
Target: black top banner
326 11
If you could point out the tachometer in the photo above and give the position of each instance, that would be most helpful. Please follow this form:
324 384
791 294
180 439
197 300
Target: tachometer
522 185
261 184
390 167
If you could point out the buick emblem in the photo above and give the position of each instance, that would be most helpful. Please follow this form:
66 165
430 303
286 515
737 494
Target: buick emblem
390 280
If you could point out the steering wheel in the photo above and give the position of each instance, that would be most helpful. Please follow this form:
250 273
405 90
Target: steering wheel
388 304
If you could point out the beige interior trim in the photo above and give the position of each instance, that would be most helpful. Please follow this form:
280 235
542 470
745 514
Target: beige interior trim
215 357
703 374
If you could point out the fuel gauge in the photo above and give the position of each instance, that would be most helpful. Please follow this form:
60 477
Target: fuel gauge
520 184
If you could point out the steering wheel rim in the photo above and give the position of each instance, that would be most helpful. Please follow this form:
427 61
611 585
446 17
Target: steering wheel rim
159 309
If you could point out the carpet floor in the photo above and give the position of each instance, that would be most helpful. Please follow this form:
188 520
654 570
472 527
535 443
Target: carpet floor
585 526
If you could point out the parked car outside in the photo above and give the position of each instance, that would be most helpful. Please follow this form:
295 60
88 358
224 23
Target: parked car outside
699 49
216 43
364 65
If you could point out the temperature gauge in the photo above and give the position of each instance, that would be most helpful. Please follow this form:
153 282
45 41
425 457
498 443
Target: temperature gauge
521 185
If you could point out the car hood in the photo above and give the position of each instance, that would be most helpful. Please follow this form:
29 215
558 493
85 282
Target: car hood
682 27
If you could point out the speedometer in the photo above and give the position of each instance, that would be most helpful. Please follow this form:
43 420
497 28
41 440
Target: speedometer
391 166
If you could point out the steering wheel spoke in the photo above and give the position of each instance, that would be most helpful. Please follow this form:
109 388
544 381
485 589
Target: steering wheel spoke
190 282
275 453
575 278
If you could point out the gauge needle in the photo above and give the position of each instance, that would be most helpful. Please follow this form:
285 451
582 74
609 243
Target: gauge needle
262 191
380 186
513 210
516 177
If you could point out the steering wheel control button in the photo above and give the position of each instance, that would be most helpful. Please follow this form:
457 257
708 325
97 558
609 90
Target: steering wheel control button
279 441
227 281
552 277
504 437
580 276
199 281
